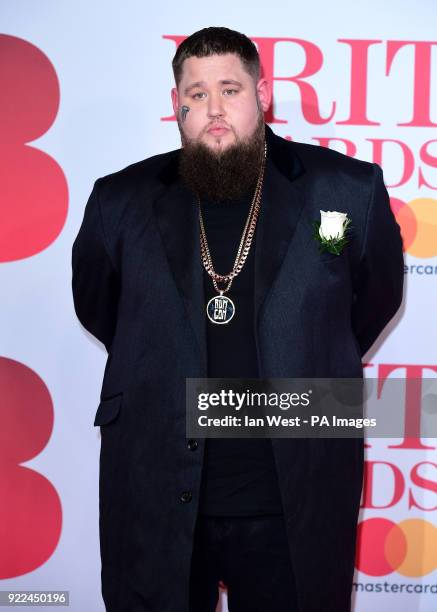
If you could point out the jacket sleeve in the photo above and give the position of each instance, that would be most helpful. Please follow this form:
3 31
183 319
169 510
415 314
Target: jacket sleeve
95 281
378 282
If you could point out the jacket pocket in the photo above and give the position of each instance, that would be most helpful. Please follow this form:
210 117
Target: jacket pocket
108 409
327 258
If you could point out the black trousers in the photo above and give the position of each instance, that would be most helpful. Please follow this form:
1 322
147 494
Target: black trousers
250 555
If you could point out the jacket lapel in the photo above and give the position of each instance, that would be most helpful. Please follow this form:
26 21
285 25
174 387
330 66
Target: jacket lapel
281 205
177 216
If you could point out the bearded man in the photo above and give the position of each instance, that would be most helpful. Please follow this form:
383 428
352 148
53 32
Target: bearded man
202 262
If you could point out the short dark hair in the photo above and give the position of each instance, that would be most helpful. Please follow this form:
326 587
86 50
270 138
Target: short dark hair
216 40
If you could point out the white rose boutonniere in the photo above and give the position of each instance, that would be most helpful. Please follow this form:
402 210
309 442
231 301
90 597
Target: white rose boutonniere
331 231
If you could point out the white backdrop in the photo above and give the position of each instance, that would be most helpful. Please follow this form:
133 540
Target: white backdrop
112 65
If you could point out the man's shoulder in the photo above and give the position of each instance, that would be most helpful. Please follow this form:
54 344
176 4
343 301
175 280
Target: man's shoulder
319 158
138 174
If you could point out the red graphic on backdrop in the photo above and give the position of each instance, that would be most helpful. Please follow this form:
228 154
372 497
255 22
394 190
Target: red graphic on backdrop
398 485
30 509
33 189
414 375
374 556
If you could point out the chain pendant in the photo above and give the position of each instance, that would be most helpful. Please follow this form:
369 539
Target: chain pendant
220 309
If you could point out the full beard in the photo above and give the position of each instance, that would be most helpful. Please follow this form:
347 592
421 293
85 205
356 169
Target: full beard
226 175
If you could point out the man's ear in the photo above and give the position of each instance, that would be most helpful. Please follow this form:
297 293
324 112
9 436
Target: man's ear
175 100
264 91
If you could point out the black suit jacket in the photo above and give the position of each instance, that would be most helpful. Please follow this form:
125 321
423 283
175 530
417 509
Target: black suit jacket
138 288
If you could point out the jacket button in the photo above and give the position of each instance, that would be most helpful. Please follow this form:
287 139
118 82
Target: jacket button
192 444
186 497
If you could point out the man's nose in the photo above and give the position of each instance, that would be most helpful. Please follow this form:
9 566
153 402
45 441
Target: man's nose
215 106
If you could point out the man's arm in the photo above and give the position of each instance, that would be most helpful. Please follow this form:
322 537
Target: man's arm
379 280
95 281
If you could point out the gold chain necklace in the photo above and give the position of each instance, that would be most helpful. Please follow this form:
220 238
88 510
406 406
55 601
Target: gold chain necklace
220 309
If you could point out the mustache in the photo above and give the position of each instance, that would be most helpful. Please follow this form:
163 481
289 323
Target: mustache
215 125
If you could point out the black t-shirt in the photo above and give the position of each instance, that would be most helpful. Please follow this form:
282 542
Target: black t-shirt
239 475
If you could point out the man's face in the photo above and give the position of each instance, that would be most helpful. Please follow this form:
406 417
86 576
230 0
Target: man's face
224 101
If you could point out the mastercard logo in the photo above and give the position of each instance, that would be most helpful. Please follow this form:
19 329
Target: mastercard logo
408 548
418 222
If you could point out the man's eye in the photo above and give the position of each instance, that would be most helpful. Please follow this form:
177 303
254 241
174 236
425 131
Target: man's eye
196 96
230 91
